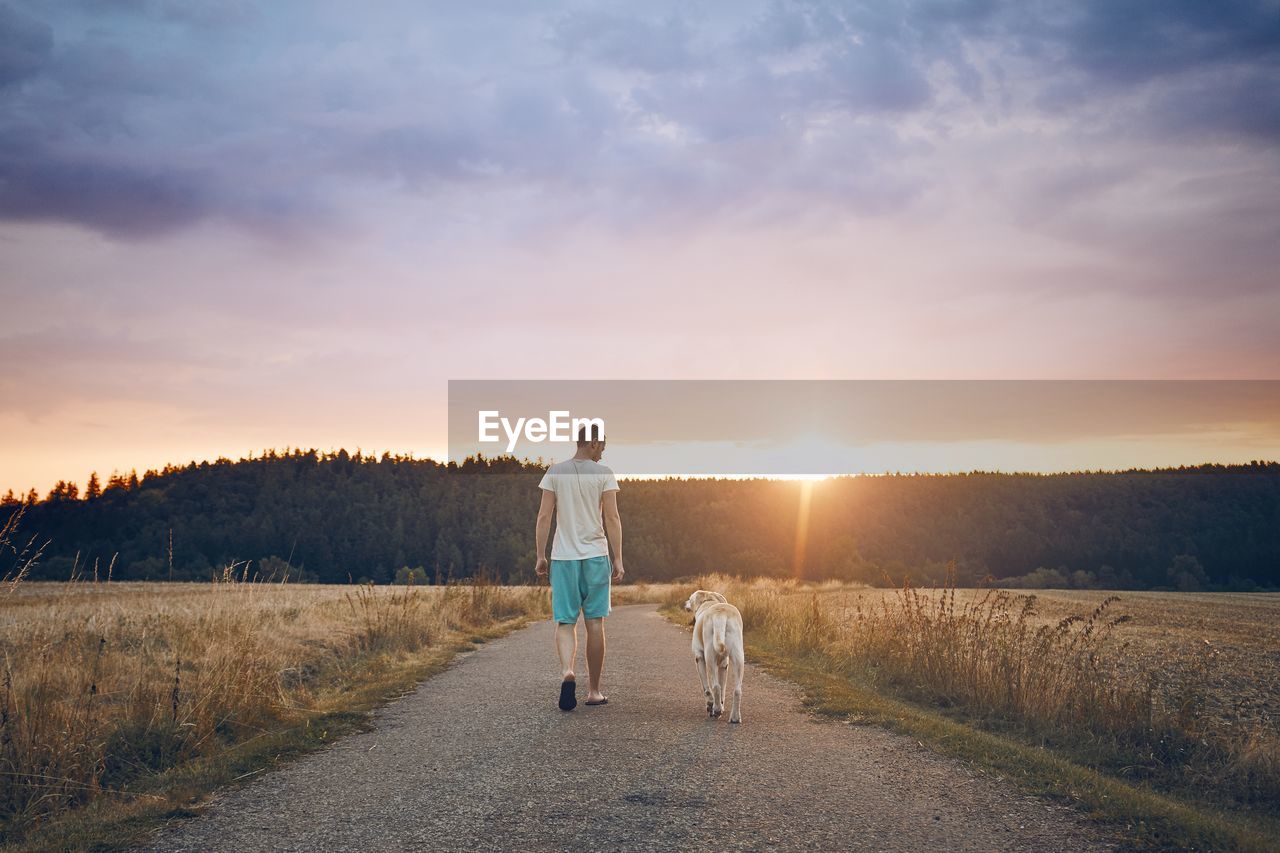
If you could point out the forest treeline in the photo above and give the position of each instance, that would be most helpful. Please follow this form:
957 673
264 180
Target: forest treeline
334 517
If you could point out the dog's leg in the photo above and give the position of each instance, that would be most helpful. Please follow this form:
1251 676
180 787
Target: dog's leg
700 661
721 682
739 666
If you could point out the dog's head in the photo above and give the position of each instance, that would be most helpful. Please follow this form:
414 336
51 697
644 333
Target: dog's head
701 597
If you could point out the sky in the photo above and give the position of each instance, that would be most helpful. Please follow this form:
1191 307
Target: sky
231 226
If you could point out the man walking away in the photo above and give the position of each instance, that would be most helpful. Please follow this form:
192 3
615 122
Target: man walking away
583 494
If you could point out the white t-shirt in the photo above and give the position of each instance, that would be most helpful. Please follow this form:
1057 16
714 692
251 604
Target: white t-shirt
578 485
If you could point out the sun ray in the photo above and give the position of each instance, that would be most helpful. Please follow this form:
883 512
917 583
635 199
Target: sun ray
802 525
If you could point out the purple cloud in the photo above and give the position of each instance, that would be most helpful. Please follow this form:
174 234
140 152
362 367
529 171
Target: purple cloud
141 119
26 44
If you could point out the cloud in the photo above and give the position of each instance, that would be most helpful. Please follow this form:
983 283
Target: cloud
624 41
122 201
25 45
1242 105
141 119
1130 43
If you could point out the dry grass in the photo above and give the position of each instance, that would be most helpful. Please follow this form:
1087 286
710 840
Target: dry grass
641 593
1224 646
1084 681
107 685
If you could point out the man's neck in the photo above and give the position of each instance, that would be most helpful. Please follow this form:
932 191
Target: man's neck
583 456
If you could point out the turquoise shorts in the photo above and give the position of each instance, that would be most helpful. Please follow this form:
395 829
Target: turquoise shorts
580 585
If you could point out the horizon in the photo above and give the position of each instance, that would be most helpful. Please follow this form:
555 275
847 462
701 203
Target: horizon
150 472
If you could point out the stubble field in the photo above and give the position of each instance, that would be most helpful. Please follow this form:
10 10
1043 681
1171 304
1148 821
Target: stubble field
131 699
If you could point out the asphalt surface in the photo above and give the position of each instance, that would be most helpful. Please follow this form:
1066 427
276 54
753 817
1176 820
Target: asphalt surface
480 758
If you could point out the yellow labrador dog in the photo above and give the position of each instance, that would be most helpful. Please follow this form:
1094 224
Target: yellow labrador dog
717 636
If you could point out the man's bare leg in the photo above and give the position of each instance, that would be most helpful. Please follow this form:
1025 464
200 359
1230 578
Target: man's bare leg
567 648
595 657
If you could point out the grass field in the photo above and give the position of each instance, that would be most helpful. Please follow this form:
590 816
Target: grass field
1134 696
1223 647
124 702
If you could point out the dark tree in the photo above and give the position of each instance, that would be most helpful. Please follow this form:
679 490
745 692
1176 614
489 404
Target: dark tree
331 517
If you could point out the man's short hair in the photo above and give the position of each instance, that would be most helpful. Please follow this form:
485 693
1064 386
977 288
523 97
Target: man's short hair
584 440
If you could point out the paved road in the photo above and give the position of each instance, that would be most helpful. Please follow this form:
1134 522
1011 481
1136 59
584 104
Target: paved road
480 758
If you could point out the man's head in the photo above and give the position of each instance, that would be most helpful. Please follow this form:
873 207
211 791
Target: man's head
591 442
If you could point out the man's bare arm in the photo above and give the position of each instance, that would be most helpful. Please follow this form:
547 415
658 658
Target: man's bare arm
545 511
613 527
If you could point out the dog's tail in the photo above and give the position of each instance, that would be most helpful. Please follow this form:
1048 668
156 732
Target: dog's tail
717 637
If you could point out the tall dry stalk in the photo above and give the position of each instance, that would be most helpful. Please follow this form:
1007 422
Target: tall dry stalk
24 556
